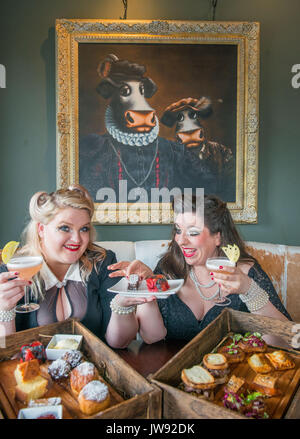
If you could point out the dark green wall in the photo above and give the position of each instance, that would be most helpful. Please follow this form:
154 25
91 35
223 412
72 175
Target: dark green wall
27 106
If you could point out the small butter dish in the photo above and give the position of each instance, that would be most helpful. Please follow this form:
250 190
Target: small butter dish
60 343
45 412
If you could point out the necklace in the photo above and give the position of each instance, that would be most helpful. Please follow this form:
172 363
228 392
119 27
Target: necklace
126 170
197 285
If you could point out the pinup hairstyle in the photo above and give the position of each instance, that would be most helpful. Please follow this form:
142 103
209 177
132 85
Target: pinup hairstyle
43 207
217 218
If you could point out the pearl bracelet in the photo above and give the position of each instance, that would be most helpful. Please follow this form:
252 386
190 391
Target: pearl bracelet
7 316
121 309
255 298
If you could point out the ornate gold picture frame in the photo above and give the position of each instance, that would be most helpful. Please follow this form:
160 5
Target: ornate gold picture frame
208 71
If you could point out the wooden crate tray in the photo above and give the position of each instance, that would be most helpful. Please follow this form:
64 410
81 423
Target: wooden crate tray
286 383
63 390
132 396
180 404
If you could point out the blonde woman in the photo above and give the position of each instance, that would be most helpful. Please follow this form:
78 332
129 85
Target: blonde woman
74 279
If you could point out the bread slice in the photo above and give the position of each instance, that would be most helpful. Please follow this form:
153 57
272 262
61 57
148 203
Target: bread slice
266 384
215 361
34 389
27 370
235 385
259 364
280 360
198 377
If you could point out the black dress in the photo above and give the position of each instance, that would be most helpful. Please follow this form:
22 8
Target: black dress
181 322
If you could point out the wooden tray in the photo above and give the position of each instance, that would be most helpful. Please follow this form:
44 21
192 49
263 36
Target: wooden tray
287 381
132 396
70 404
180 404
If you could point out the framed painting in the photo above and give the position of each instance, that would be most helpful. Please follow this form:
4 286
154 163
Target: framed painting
147 110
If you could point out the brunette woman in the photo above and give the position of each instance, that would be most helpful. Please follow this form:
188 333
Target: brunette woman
195 238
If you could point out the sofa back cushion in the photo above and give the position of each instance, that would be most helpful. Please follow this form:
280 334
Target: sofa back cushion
124 250
148 252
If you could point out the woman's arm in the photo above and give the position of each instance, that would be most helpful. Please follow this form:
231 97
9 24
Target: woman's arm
147 320
11 291
121 330
151 325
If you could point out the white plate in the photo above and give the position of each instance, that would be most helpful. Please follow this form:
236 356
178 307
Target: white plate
122 288
35 412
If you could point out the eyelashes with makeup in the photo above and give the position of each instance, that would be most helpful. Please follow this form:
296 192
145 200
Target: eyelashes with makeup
190 233
67 229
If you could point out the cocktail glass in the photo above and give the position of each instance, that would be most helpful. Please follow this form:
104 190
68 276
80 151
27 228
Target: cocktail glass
27 267
213 264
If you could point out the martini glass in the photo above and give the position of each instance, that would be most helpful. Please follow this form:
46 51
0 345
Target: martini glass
27 267
213 264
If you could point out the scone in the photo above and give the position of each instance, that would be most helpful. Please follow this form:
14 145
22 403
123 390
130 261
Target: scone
82 375
94 397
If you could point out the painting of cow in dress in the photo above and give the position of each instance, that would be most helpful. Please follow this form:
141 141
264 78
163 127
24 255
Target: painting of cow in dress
139 136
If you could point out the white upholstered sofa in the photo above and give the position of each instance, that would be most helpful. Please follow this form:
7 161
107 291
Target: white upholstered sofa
148 252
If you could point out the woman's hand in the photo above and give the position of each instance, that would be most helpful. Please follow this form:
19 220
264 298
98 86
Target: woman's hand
11 291
125 268
235 281
130 301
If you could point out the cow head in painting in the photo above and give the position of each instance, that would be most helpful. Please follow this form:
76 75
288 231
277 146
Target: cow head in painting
187 114
126 88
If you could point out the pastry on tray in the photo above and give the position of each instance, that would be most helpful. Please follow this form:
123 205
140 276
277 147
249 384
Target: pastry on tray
42 402
72 357
259 363
59 370
235 385
265 384
252 342
82 375
30 384
280 360
94 397
233 353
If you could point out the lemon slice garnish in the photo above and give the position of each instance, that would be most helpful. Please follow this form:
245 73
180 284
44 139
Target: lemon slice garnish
232 252
9 250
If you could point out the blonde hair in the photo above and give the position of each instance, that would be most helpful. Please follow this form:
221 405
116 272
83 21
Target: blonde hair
43 207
